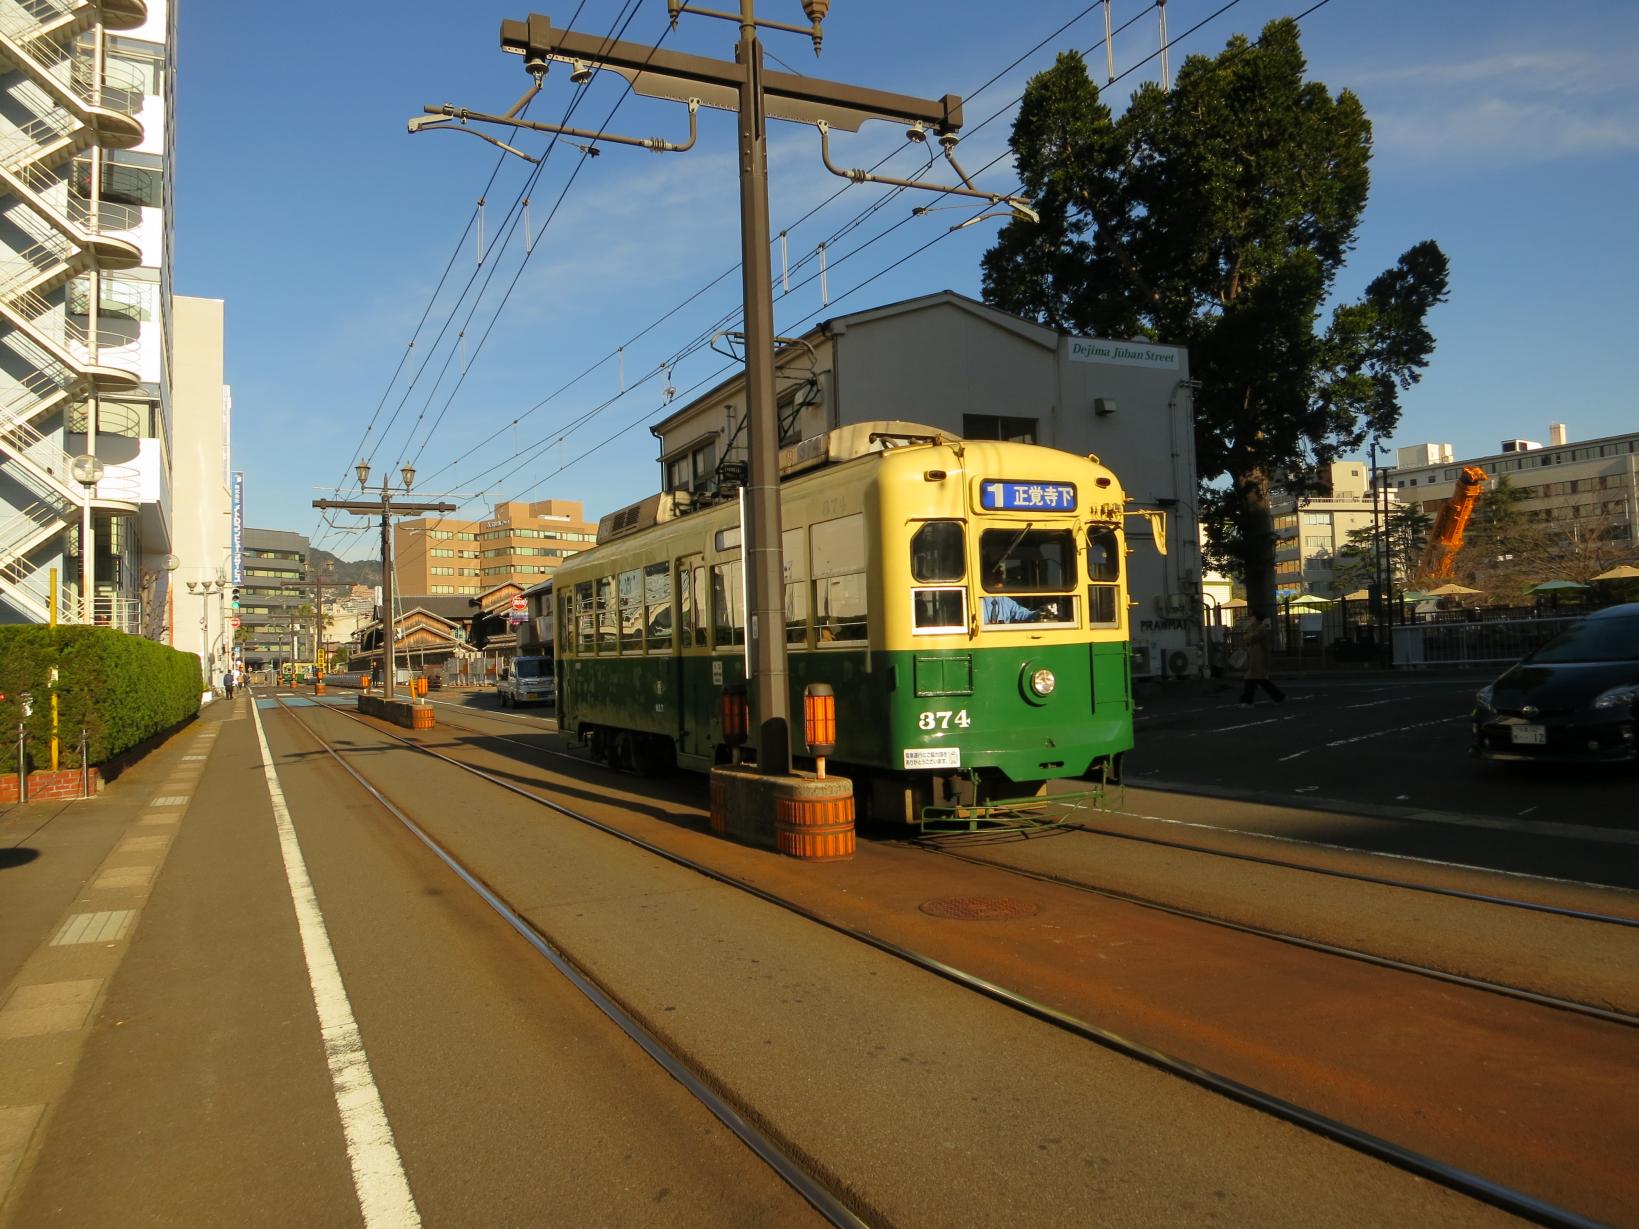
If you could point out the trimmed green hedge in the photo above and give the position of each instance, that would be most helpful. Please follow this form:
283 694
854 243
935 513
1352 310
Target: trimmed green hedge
122 689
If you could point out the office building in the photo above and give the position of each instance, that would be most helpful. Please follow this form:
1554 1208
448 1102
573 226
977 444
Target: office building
273 634
1313 524
520 541
201 484
1586 486
85 299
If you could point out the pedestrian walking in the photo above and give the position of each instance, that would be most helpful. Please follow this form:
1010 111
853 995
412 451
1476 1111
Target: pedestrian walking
1257 663
227 682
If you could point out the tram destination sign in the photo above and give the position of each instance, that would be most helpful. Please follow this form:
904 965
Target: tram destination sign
1002 496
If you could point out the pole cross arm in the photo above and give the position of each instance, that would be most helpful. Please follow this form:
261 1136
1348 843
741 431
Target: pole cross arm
400 508
679 76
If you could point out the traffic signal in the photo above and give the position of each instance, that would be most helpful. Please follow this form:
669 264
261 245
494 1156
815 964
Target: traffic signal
236 597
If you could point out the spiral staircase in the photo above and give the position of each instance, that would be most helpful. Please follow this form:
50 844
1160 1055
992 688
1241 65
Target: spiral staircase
65 104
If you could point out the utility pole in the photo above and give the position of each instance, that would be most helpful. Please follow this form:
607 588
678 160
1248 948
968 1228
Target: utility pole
318 587
385 507
742 86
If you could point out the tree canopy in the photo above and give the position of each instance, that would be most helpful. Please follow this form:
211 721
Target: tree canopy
1218 216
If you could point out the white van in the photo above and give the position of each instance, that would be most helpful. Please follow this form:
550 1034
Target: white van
527 680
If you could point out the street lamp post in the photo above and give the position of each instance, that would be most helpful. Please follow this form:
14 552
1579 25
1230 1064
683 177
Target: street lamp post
207 650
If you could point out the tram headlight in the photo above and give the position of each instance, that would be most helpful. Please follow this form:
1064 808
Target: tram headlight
1042 682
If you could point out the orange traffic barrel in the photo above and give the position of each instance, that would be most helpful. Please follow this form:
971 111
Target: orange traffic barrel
814 829
422 717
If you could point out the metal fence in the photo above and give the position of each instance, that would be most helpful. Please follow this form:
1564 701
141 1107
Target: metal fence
1494 642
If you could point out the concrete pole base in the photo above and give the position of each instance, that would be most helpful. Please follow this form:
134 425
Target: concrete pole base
799 816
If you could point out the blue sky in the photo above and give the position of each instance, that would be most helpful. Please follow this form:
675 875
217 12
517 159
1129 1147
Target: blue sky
1507 131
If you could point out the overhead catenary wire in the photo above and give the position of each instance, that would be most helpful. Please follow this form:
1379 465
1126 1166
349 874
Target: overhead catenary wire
726 273
859 286
559 433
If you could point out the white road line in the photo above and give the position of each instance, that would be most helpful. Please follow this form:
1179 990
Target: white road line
1375 703
1399 729
378 1173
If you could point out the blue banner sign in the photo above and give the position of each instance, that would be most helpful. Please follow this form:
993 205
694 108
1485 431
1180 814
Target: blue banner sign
995 496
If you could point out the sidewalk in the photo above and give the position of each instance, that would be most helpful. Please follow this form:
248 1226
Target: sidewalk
74 876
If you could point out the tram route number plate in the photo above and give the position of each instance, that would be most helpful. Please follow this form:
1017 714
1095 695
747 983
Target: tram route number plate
933 757
1532 735
1001 496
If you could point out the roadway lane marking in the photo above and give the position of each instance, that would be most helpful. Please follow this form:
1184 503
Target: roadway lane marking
1247 725
105 927
1375 703
378 1173
170 800
1360 738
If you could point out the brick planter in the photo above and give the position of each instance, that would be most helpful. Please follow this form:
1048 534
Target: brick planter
44 785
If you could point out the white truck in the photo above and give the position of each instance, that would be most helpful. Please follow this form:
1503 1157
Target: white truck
527 680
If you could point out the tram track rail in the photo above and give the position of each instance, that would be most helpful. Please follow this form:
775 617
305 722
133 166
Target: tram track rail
1465 1182
1506 902
1576 1007
821 1196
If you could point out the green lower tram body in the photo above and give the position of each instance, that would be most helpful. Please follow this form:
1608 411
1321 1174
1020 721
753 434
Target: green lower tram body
921 727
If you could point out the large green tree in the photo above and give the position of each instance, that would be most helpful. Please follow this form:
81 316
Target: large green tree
1218 216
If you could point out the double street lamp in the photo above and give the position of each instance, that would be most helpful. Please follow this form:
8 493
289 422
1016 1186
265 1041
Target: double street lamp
207 651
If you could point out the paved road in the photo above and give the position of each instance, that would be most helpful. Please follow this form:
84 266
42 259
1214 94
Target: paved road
1384 741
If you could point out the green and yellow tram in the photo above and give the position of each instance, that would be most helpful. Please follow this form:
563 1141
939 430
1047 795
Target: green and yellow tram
965 599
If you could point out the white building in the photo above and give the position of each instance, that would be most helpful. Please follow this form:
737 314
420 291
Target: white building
946 361
201 543
1313 526
86 419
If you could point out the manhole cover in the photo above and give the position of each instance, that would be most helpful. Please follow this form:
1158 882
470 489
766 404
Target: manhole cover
978 908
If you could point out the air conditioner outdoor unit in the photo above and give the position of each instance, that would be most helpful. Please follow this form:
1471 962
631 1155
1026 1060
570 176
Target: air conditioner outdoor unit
1141 661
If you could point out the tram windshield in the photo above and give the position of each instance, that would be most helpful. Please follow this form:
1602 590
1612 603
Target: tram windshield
1027 575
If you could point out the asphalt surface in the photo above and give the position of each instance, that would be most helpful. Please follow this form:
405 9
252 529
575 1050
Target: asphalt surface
1398 742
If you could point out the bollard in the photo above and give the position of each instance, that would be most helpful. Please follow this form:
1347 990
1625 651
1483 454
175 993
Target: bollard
736 718
819 719
22 762
85 768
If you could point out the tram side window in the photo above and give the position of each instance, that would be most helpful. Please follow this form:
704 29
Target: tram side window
691 602
1103 577
727 606
837 557
939 556
657 605
585 619
607 613
631 611
793 549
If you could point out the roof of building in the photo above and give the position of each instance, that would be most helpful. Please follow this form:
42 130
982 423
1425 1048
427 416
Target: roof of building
452 606
1027 329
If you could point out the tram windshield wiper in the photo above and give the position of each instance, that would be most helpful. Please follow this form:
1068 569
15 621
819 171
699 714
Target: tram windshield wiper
1013 546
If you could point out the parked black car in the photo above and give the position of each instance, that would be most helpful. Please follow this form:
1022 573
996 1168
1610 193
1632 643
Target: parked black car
1574 699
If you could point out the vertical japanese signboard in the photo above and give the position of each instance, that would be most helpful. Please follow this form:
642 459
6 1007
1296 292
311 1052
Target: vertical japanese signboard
238 527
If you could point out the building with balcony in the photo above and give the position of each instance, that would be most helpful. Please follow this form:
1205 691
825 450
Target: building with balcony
85 311
519 542
1313 525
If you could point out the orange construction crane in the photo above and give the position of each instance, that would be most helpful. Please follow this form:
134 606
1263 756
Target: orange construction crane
1446 539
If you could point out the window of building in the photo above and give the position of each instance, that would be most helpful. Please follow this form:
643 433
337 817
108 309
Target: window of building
442 552
442 571
999 427
1317 518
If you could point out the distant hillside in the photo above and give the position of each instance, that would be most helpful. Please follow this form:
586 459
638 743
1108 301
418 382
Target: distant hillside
322 565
